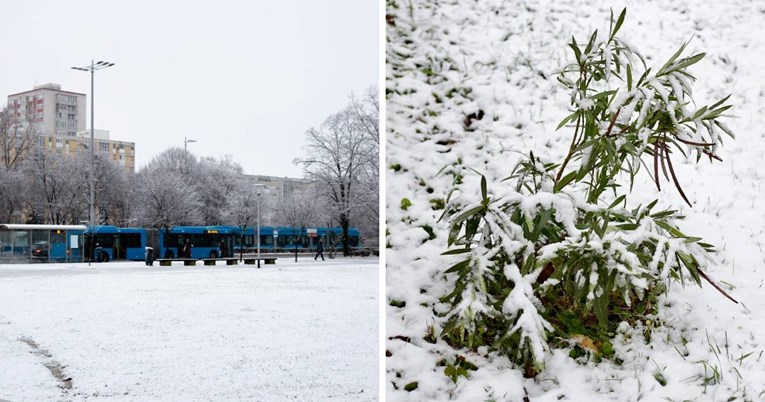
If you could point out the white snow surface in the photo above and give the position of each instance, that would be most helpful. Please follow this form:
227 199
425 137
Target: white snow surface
122 331
448 59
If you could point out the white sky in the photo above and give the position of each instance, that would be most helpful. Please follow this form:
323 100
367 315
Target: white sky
244 78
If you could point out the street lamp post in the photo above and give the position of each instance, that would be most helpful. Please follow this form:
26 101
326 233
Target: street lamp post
186 141
257 231
91 178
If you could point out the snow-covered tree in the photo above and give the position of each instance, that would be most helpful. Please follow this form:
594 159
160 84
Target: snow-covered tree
337 157
114 191
57 186
299 210
13 185
215 180
164 197
17 138
366 112
241 208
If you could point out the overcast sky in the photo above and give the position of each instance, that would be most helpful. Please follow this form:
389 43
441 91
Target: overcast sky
243 78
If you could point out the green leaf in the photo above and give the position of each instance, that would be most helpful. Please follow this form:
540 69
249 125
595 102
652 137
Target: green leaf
663 214
699 113
577 52
458 266
720 102
543 218
619 22
456 251
467 214
567 120
564 181
591 43
672 59
717 112
586 145
669 228
628 226
603 94
685 63
483 188
629 77
617 201
643 77
405 203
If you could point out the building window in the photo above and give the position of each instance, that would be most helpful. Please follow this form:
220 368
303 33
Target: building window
104 146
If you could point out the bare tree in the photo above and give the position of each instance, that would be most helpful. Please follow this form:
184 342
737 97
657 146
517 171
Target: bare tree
17 137
241 209
57 188
13 190
366 113
114 191
298 210
336 155
342 157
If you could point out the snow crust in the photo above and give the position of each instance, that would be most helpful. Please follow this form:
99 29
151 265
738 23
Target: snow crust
446 61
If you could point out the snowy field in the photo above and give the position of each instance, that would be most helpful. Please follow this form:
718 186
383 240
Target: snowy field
491 65
305 331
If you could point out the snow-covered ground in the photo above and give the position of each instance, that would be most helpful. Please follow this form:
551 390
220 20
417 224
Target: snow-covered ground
123 331
448 60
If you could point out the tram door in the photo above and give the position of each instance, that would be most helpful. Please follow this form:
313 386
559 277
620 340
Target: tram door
117 248
229 240
57 245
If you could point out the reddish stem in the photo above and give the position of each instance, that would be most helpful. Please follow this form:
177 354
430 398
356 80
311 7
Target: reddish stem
674 177
716 286
656 164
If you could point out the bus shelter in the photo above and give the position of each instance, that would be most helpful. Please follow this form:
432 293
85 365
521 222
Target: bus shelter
22 243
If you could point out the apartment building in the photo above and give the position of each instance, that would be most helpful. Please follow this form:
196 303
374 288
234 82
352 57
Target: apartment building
55 112
59 119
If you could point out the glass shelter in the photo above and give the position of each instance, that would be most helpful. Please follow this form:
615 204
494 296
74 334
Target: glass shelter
21 243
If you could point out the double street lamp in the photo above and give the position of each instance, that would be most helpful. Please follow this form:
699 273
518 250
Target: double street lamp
92 67
186 141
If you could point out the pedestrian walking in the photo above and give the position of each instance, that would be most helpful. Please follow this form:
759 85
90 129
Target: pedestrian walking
186 250
319 250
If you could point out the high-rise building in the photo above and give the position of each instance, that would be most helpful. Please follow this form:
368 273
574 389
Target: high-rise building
56 112
58 118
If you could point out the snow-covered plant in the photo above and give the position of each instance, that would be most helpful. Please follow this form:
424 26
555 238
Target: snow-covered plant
560 254
617 117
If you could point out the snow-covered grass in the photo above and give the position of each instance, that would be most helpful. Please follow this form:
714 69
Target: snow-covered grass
124 331
472 84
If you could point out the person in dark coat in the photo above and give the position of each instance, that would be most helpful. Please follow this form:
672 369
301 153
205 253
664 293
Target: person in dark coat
222 247
319 250
186 250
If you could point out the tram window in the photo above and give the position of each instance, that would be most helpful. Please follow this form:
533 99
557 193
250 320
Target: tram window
131 240
104 240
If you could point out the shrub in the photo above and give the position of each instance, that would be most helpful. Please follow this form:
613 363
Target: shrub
557 252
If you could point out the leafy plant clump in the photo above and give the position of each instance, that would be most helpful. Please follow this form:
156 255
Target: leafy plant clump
553 256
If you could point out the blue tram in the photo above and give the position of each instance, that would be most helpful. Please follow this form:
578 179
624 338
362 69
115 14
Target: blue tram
106 243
